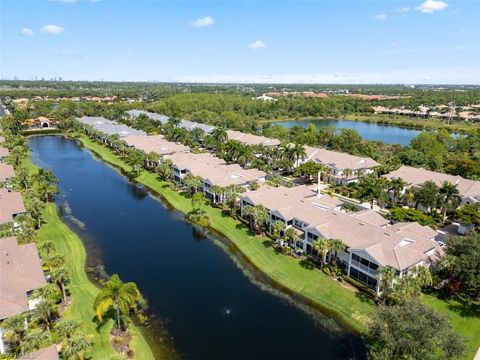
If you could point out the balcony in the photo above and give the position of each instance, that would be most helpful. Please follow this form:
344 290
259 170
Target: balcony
363 268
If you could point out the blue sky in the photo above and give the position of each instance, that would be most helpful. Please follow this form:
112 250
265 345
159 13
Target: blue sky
382 41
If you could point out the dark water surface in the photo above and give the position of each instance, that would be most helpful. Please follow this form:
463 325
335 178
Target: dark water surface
210 307
389 134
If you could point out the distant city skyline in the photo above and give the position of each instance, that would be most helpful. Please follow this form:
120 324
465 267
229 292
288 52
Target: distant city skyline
334 42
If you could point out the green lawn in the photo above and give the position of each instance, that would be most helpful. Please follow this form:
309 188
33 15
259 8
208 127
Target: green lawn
83 291
346 305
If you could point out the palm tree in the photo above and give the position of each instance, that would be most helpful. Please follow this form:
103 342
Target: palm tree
277 228
49 247
43 312
174 121
15 327
61 277
257 215
298 152
449 198
396 186
290 235
336 247
123 297
427 196
218 192
33 341
321 246
347 173
192 183
66 328
76 347
385 277
49 292
220 135
371 188
197 200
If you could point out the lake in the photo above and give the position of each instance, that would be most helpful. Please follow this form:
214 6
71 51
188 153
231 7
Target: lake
207 303
389 134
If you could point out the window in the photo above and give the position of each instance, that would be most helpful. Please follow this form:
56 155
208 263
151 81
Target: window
355 257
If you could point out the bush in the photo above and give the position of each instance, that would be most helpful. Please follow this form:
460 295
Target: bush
406 215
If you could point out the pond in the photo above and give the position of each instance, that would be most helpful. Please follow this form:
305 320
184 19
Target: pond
207 303
389 134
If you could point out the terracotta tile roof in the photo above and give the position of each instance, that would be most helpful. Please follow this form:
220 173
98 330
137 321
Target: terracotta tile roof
48 353
371 217
418 176
6 172
11 204
20 271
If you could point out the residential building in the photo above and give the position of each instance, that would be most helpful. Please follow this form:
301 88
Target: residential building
157 144
11 205
108 127
416 177
370 240
39 123
250 139
344 168
20 274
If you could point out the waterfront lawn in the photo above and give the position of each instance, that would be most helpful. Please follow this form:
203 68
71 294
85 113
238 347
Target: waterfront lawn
82 290
346 305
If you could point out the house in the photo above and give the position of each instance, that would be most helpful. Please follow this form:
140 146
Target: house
20 274
157 144
344 168
184 163
11 205
6 172
250 139
370 240
3 153
48 353
416 177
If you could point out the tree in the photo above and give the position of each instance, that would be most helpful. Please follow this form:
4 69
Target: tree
396 186
43 312
427 196
372 188
61 277
257 215
336 247
66 328
165 170
16 327
197 200
385 276
76 347
219 134
192 183
412 331
449 198
277 228
461 263
34 340
321 246
469 215
290 235
174 121
48 246
297 152
123 297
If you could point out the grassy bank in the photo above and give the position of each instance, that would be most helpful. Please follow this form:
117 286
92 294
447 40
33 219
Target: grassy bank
348 306
83 291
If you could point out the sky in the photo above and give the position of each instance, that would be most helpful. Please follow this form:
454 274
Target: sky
338 41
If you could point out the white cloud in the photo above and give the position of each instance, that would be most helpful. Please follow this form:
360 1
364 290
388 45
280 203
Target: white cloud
52 29
27 32
381 16
431 6
203 22
403 9
257 45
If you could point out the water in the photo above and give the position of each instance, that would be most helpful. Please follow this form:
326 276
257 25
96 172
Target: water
210 308
389 134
